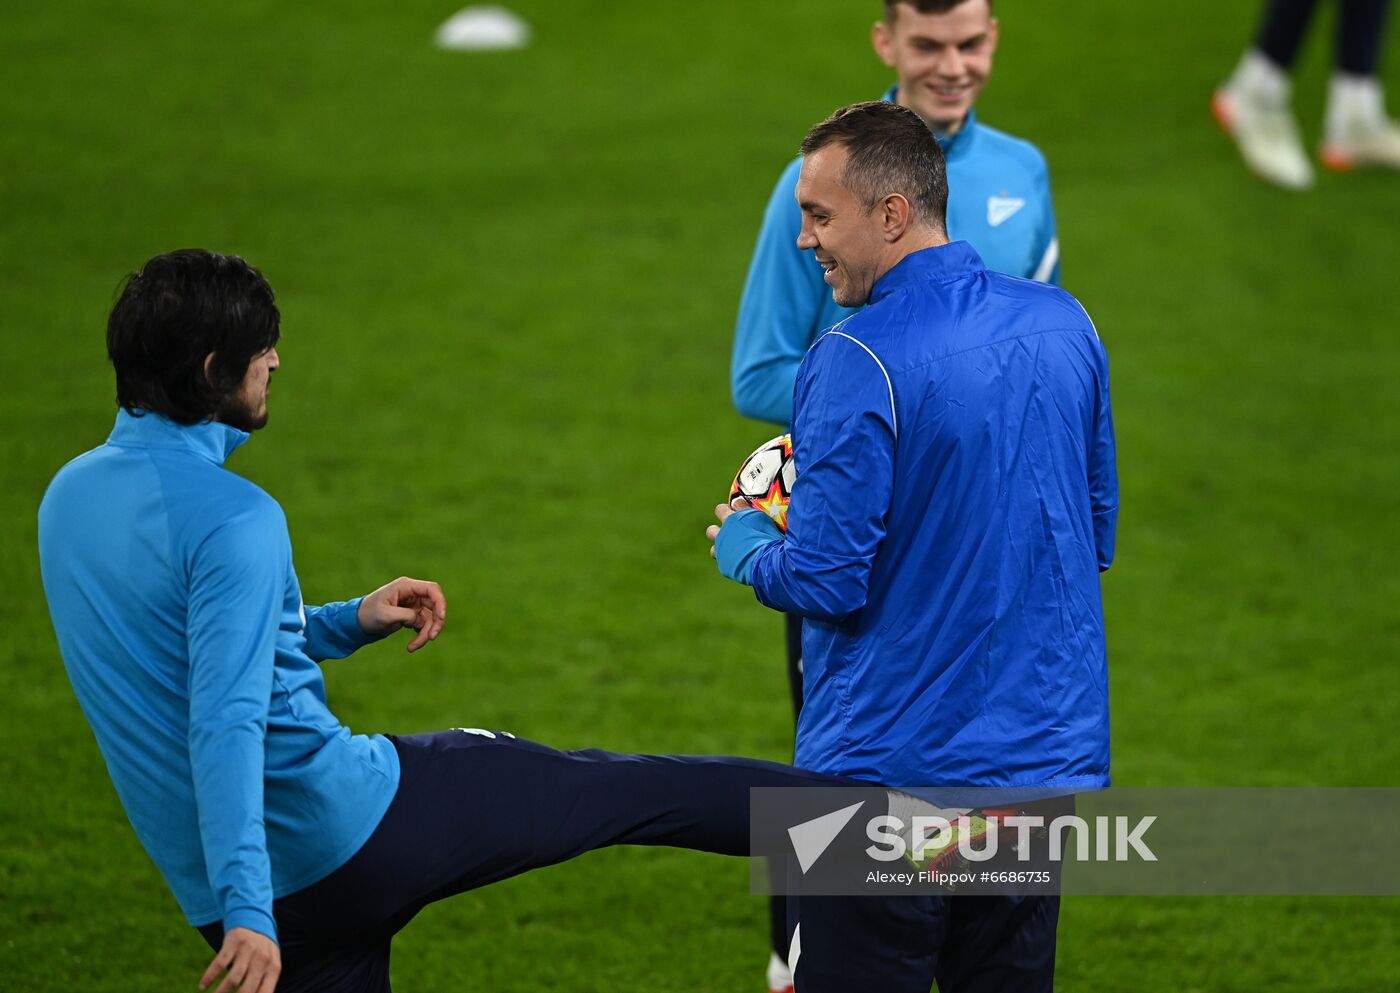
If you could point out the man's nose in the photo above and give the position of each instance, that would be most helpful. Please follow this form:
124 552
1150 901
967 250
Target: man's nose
950 63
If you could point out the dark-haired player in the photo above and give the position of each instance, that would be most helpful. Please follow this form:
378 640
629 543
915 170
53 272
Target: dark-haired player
296 847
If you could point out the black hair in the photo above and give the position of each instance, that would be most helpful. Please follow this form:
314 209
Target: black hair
175 312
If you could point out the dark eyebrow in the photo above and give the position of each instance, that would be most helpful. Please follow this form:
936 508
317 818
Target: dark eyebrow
926 40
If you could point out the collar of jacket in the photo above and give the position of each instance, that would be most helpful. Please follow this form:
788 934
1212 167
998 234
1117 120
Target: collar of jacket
936 264
210 440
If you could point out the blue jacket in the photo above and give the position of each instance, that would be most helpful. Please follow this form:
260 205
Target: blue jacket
180 620
956 498
998 199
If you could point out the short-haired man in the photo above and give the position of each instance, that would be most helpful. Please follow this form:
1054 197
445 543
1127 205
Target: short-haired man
999 197
297 848
999 200
956 499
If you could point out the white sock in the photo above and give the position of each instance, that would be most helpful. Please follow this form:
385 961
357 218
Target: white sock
1353 101
1260 79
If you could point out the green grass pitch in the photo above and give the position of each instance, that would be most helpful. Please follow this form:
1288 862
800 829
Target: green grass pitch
508 284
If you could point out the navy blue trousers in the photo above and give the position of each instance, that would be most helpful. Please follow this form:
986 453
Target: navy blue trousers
472 809
1360 28
903 944
778 931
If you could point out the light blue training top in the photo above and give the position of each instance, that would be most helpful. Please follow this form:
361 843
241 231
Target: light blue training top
998 200
180 620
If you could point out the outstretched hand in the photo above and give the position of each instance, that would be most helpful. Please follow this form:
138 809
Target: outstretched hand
405 603
250 962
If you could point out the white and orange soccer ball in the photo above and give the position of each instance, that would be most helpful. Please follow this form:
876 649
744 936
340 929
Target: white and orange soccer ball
765 479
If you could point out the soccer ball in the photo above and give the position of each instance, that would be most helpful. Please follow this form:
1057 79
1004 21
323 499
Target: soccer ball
765 479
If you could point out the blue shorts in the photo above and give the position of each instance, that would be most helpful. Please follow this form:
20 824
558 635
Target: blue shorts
473 808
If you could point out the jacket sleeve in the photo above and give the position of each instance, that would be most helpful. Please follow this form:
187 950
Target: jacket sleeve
333 630
779 313
844 441
1103 470
1047 242
238 576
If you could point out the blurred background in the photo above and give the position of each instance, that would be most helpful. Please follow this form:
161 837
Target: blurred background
508 282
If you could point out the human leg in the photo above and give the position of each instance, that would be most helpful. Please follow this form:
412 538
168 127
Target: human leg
885 943
999 944
473 808
1282 29
351 963
1356 129
1254 106
779 976
995 943
901 944
792 636
1360 30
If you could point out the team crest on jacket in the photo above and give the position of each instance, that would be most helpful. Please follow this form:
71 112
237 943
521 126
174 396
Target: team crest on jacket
1000 209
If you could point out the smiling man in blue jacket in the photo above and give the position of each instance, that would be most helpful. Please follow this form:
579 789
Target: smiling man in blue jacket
956 498
942 53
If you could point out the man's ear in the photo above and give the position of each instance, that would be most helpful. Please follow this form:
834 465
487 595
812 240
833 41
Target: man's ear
898 215
208 364
881 41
